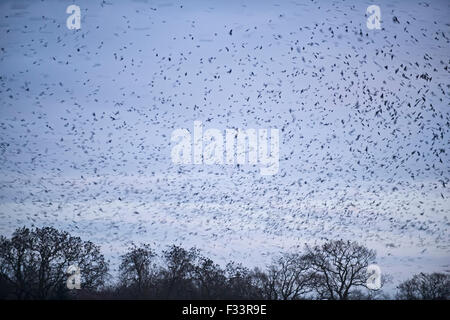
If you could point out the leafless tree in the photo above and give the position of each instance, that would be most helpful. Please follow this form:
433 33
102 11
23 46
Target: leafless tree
210 279
425 286
138 270
287 278
371 294
339 266
34 263
178 272
241 282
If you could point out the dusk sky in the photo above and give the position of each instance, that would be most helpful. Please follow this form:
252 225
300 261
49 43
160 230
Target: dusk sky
87 115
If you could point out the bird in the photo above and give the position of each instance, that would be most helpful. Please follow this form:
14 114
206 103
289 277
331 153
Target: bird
87 119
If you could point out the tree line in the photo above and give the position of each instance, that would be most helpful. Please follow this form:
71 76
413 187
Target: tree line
34 264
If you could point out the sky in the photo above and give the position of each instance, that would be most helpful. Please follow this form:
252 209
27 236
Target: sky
86 118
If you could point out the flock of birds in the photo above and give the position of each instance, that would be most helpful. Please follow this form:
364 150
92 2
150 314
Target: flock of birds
87 115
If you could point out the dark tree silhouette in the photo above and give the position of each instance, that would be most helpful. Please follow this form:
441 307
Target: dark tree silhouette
138 271
241 282
33 263
369 294
210 279
340 267
425 286
178 272
287 278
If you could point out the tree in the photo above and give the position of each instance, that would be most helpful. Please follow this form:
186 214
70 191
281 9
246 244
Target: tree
287 278
178 273
425 286
371 294
210 279
136 271
241 282
33 263
340 267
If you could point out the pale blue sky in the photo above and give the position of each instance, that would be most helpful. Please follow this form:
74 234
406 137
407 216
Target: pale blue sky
86 117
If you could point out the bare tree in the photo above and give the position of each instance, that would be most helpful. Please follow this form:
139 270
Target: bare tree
372 294
340 266
287 278
425 286
241 282
178 273
137 270
210 279
34 263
